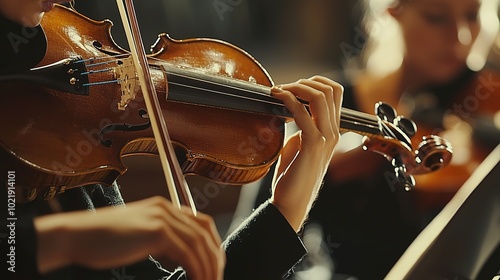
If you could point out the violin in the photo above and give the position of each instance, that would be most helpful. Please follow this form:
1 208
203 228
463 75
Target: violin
469 122
69 121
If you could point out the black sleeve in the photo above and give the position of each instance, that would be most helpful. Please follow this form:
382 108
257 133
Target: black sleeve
265 246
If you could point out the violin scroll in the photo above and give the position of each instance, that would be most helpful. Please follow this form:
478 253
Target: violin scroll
394 143
434 152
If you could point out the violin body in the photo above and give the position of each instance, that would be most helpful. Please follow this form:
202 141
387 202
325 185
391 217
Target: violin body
474 104
65 140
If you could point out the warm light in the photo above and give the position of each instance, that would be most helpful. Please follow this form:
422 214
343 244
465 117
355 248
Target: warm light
349 141
464 35
489 32
496 120
385 35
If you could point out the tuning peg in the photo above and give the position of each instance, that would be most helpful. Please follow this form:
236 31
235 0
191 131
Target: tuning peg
406 125
405 179
385 111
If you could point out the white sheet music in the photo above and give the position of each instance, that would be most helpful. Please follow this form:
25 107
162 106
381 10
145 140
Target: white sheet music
463 235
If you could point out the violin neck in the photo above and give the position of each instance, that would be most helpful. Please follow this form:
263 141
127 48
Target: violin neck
190 86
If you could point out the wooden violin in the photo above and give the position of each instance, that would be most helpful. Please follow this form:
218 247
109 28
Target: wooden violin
69 121
469 123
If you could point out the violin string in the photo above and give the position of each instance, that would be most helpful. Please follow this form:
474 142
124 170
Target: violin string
347 115
97 71
184 76
100 63
387 131
224 85
224 93
375 127
353 115
101 83
362 115
89 72
358 116
266 94
92 59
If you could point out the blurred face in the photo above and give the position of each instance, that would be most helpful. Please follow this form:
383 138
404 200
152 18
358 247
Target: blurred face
438 35
27 12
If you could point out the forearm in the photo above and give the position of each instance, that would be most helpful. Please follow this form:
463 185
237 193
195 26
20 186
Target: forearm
307 153
54 241
115 237
299 188
99 240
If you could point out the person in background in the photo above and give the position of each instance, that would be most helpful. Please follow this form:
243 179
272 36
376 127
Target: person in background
368 219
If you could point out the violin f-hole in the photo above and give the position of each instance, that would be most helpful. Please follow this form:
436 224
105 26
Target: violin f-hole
124 128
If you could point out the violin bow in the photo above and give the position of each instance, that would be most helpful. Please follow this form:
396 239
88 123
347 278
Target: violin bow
174 177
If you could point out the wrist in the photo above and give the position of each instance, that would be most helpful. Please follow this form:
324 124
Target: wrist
295 215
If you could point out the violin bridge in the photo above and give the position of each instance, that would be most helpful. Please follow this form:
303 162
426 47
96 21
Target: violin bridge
127 78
